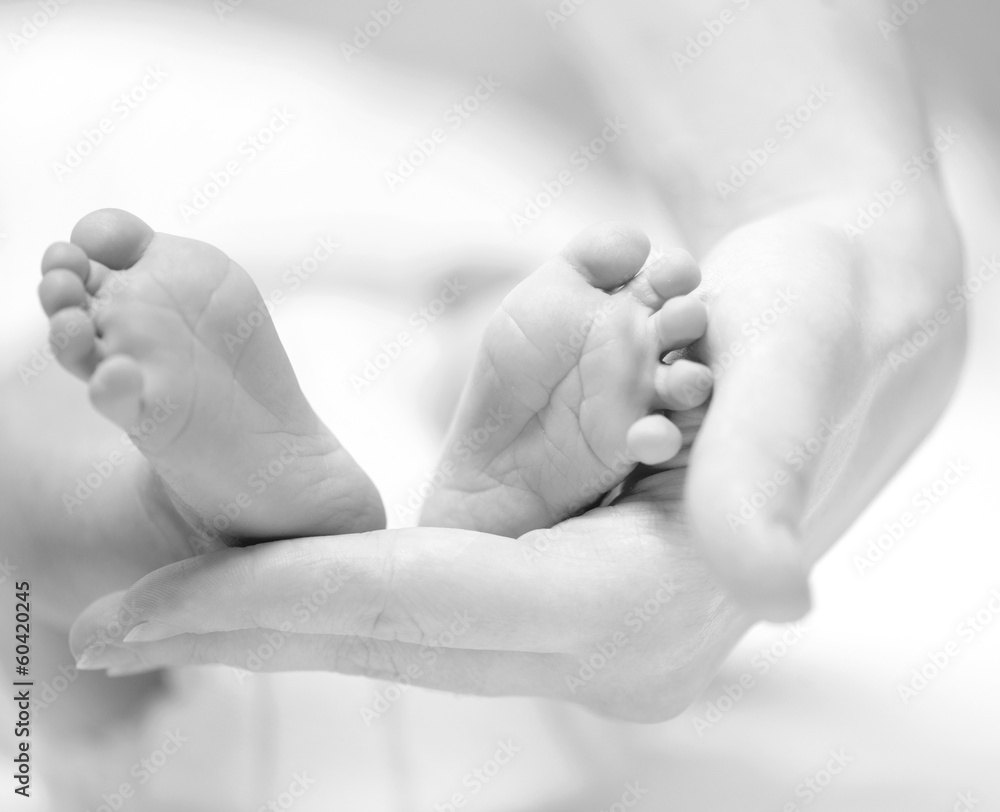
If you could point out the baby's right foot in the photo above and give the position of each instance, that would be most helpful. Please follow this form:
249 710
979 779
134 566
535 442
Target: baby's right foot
184 357
568 391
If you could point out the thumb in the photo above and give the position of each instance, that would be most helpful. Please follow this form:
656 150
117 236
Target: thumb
786 357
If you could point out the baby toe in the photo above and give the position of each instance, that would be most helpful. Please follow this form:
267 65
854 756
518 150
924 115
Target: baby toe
116 389
653 440
683 384
674 273
608 254
74 341
98 273
112 237
68 257
680 322
60 289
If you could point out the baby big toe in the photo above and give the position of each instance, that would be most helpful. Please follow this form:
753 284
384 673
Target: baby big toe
116 390
74 341
113 237
608 254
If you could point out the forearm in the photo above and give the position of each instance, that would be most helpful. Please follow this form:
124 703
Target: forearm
789 102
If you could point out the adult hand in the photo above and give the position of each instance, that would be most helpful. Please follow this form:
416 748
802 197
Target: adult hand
814 408
793 153
614 609
831 366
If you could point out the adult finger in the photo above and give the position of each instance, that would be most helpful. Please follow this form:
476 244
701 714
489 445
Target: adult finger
550 591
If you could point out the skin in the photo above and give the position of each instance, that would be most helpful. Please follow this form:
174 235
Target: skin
825 359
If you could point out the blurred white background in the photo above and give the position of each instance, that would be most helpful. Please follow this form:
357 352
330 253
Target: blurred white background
224 68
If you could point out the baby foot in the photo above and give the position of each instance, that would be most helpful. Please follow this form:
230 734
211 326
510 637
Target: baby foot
565 394
180 352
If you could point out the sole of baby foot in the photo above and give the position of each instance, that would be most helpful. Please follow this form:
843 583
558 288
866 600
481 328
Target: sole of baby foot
569 389
178 349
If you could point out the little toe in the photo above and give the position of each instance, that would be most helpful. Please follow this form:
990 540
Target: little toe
675 273
653 440
60 289
683 385
680 322
608 254
68 257
116 390
74 341
112 237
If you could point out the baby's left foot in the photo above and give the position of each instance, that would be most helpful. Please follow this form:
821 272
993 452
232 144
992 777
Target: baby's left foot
568 390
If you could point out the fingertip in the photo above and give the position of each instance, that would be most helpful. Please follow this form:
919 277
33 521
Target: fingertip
101 624
766 573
